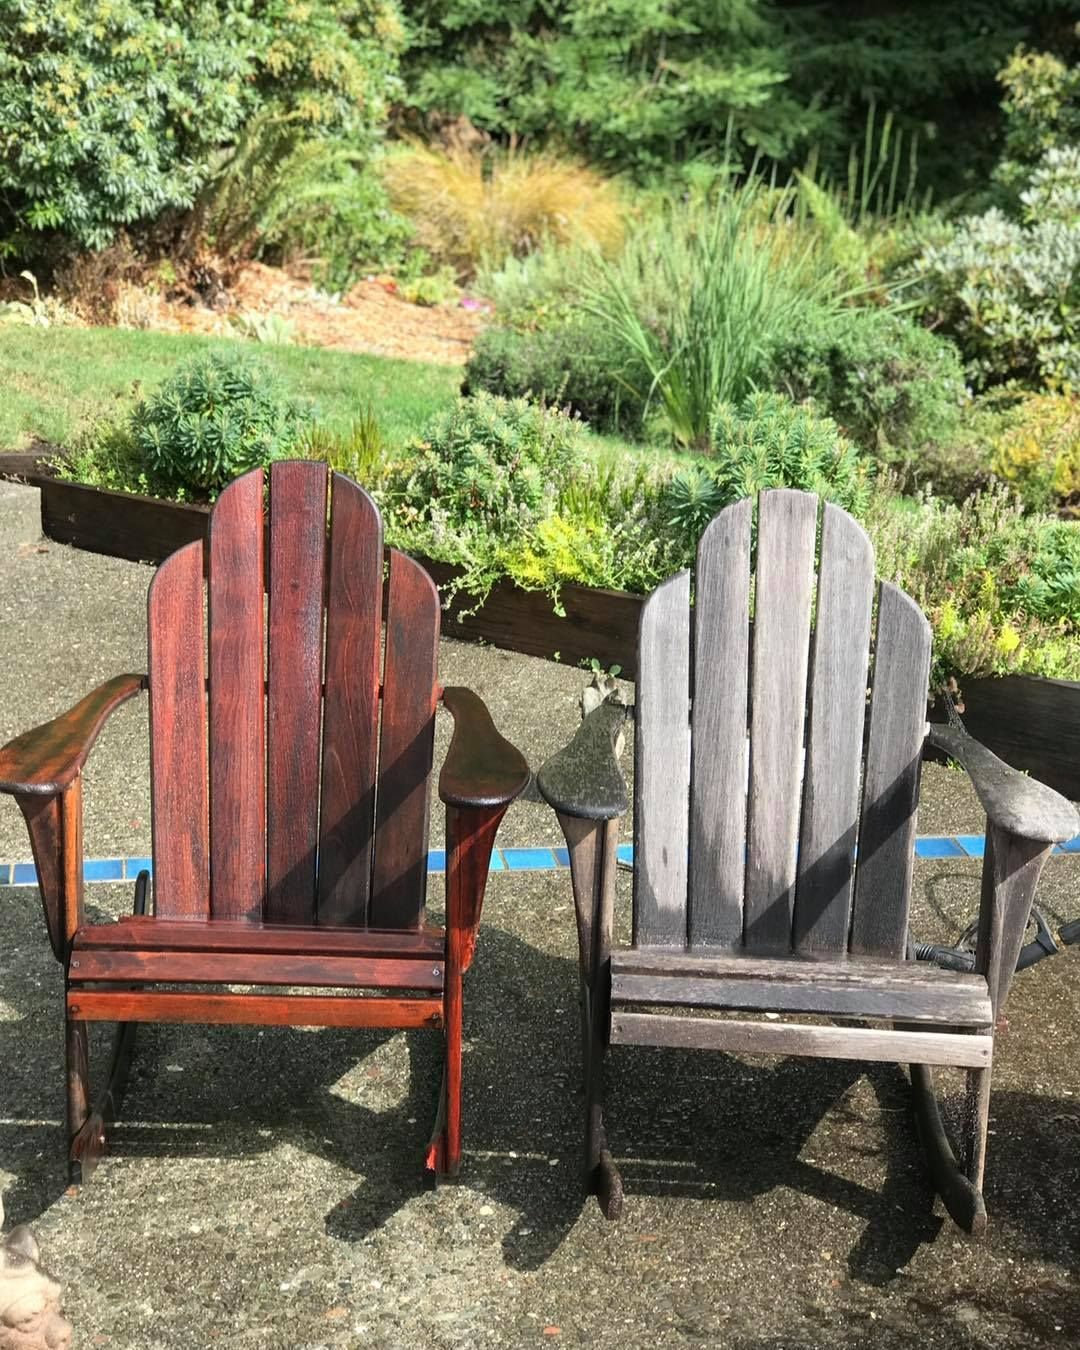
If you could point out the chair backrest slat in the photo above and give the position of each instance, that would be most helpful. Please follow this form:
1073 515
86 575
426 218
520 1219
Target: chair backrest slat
719 727
351 708
834 744
662 765
237 702
405 747
787 527
891 777
294 688
176 643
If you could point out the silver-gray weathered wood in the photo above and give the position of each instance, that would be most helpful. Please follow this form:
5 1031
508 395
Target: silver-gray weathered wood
891 777
719 726
963 1003
834 747
973 1051
787 526
662 765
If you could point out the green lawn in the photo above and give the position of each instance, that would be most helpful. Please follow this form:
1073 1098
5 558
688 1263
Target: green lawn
56 380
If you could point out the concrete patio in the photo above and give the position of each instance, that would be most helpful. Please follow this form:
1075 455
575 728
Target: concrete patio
264 1187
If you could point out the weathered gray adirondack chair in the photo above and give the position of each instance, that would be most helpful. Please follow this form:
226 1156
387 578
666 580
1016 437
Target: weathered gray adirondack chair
761 768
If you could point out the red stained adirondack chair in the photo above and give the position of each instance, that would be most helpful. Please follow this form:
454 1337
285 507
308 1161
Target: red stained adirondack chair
290 767
760 766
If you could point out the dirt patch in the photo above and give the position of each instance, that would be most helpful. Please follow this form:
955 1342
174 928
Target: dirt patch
372 317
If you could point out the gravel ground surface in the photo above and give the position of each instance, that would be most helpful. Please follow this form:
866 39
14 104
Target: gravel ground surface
264 1188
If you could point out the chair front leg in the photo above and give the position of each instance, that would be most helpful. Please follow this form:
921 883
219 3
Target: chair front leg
470 837
592 845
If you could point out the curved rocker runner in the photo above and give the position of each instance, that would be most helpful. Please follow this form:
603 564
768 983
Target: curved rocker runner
290 765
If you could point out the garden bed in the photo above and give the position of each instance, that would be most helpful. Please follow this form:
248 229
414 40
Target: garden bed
1031 723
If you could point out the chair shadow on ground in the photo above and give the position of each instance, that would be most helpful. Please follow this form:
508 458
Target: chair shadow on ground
681 1123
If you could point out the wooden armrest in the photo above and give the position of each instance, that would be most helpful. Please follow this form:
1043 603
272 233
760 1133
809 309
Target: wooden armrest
1019 805
584 779
44 761
482 769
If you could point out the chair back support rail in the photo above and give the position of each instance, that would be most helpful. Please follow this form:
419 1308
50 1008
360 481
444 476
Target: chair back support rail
279 792
762 856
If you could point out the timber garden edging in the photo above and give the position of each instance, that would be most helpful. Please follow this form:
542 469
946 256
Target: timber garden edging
1031 723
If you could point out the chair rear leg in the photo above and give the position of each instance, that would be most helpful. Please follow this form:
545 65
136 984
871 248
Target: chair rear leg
960 1187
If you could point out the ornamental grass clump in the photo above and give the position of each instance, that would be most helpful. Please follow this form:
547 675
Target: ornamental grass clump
469 209
701 295
218 416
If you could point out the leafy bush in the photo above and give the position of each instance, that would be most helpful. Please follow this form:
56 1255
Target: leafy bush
891 385
281 193
771 442
702 294
1038 451
573 364
113 113
467 208
1042 111
217 417
1010 296
1001 589
487 461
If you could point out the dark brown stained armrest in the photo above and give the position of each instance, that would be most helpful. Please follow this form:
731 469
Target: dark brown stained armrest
1013 802
584 779
45 760
482 768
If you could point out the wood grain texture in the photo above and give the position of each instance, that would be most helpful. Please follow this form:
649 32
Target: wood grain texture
44 760
787 524
1011 869
964 1003
179 787
340 972
482 769
237 702
834 747
821 1042
219 935
261 1010
120 524
294 687
405 748
43 823
351 707
662 765
719 729
891 777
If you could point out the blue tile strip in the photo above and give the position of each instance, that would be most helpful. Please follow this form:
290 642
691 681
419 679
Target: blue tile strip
529 859
542 858
934 846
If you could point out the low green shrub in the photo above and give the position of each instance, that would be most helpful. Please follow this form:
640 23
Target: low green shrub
1001 589
894 387
573 364
218 416
487 461
1037 451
